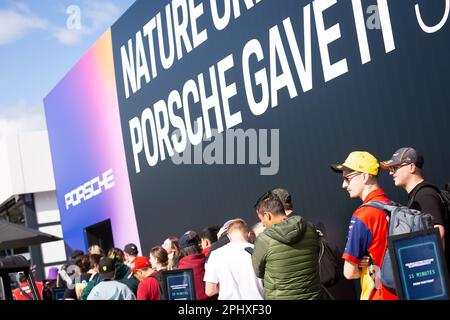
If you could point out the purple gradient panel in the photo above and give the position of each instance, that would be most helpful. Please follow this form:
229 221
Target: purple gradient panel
86 140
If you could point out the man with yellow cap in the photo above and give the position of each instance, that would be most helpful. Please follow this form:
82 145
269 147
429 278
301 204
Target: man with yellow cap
368 230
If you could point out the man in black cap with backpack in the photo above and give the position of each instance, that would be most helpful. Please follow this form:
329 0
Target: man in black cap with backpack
406 168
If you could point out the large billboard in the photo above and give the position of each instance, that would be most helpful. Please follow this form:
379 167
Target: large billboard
222 100
87 150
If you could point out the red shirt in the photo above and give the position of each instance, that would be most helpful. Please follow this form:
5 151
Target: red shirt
205 251
18 295
148 289
196 262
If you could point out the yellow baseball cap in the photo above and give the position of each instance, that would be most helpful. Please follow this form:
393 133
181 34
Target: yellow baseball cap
360 161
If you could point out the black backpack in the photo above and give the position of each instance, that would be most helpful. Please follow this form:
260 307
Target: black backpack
161 290
331 265
444 194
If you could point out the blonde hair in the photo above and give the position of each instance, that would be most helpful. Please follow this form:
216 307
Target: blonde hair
257 229
238 224
96 249
175 244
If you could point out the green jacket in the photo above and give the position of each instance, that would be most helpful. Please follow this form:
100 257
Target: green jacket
286 256
122 274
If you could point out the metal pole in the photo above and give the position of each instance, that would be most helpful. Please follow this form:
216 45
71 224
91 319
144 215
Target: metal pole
34 292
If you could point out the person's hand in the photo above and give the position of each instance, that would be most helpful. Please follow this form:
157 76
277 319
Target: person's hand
364 262
79 289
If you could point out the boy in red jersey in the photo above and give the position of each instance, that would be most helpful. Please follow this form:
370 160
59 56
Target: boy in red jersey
368 230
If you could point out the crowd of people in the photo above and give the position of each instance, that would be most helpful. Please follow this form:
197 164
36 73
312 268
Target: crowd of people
277 258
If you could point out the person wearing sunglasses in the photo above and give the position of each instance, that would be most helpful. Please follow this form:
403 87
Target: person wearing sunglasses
368 229
406 169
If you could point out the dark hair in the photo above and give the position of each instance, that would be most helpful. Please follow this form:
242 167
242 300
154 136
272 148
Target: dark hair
269 202
189 251
94 259
145 269
75 257
160 254
288 205
285 198
84 264
22 277
76 254
116 254
210 233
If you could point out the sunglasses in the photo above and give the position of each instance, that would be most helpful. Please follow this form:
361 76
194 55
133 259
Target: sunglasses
394 169
348 178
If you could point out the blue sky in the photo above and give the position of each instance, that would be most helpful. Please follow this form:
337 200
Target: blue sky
37 48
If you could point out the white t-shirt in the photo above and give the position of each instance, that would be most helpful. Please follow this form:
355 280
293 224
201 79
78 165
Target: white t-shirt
111 290
231 267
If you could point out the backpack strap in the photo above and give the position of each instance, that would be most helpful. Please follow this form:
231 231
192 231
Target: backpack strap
26 294
388 208
441 196
319 232
381 205
161 289
320 237
374 272
426 185
326 294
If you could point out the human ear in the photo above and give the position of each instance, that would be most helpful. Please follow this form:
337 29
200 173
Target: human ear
268 215
365 177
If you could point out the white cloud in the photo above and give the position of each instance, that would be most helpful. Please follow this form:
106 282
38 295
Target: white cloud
101 14
96 16
21 117
17 21
70 37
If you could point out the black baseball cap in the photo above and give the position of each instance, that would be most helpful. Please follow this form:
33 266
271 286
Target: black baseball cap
106 268
131 249
405 155
190 238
